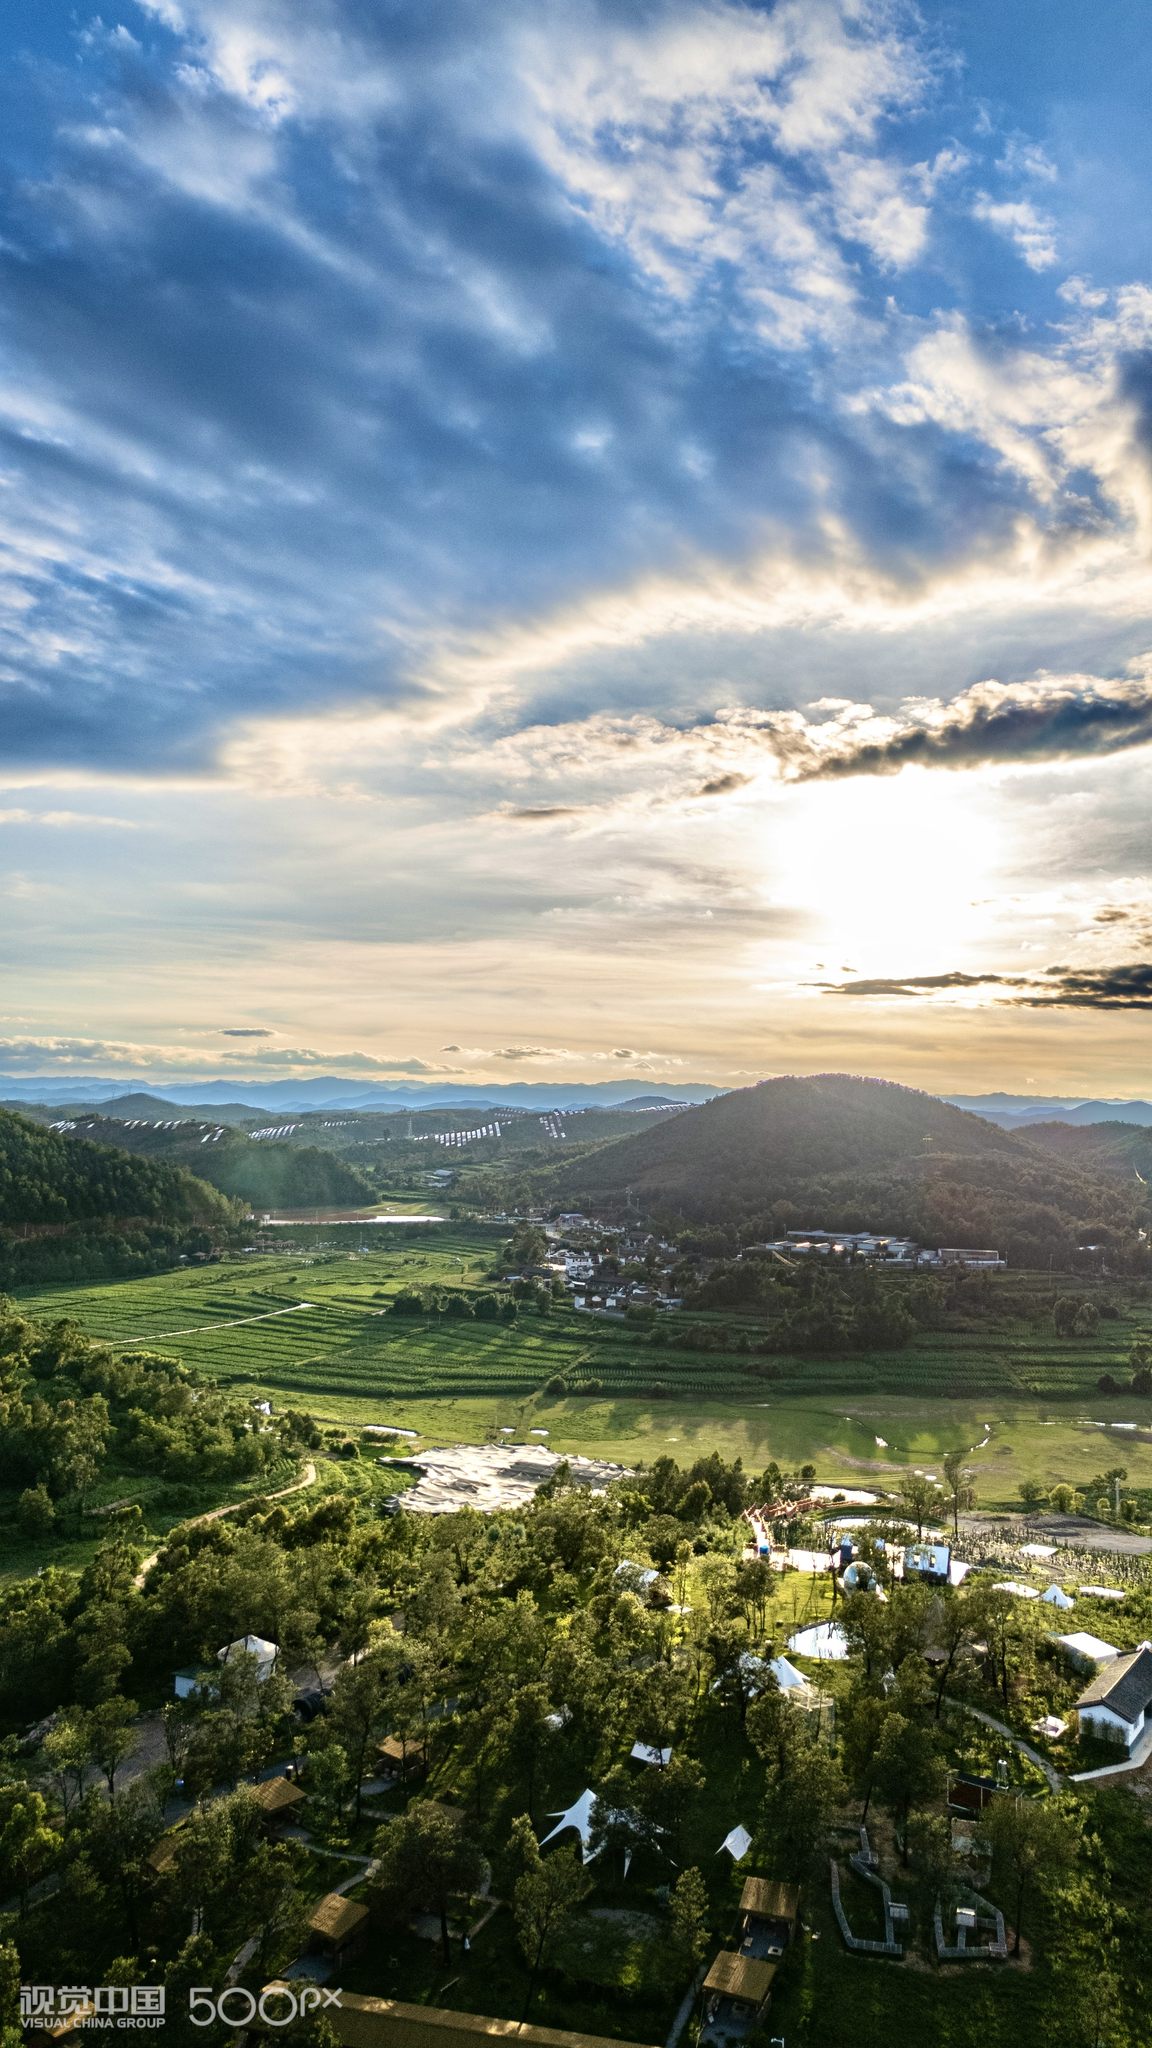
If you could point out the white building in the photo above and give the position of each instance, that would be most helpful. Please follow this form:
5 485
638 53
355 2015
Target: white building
1117 1702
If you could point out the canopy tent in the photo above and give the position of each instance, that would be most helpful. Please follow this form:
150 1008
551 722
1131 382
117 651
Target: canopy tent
645 1753
264 1652
1083 1647
1017 1588
579 1817
827 1643
582 1817
737 1842
787 1677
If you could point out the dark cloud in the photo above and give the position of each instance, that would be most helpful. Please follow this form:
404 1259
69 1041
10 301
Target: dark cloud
248 1032
1104 988
909 984
536 814
988 724
1127 987
723 785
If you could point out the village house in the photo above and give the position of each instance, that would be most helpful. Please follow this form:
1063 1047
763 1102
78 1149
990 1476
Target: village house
337 1927
1115 1704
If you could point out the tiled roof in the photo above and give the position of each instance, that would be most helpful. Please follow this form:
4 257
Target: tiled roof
1124 1685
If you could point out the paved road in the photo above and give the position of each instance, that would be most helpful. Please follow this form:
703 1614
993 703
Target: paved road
1025 1748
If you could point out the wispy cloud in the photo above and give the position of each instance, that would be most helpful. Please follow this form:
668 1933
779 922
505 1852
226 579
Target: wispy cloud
1122 987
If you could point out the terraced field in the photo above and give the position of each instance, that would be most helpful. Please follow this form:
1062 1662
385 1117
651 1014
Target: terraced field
313 1330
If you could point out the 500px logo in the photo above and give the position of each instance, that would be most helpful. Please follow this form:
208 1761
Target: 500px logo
277 2006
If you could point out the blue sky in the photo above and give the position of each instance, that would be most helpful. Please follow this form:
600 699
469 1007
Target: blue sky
531 536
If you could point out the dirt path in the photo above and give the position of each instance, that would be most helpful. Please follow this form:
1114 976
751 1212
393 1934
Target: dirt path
196 1329
307 1478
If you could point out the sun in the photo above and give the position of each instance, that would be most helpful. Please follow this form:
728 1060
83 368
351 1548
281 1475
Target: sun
898 874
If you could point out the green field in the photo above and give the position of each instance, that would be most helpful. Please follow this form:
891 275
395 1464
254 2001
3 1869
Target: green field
312 1330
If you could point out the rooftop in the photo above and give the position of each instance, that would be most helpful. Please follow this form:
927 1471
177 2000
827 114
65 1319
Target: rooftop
768 1899
737 1976
336 1917
1124 1685
276 1795
361 2022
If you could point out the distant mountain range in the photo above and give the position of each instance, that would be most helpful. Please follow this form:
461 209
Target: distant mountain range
331 1092
1013 1111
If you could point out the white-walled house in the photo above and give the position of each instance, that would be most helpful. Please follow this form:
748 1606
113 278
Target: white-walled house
1117 1703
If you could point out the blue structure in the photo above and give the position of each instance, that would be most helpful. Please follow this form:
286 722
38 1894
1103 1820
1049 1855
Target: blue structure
928 1562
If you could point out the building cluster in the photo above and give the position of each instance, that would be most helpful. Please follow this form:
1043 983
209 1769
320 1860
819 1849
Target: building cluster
871 1249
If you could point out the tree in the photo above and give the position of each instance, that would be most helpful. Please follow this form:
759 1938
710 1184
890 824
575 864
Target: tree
1031 1493
801 1802
936 1863
328 1778
545 1894
862 1716
1032 1843
357 1713
688 1917
959 1487
426 1859
35 1511
909 1771
29 1844
919 1496
67 1754
110 1738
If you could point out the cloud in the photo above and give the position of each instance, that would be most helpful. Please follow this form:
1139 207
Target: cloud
1033 233
95 1055
1122 987
1055 718
65 820
724 785
1102 988
251 1031
910 984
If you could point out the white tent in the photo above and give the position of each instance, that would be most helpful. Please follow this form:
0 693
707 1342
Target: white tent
578 1817
1103 1592
1017 1588
826 1642
259 1647
636 1574
581 1816
1057 1597
737 1842
787 1677
644 1753
1084 1648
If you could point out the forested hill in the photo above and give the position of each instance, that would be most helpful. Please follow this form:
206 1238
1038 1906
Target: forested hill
69 1209
257 1171
1106 1148
837 1152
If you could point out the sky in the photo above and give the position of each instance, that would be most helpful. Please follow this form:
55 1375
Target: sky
607 540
